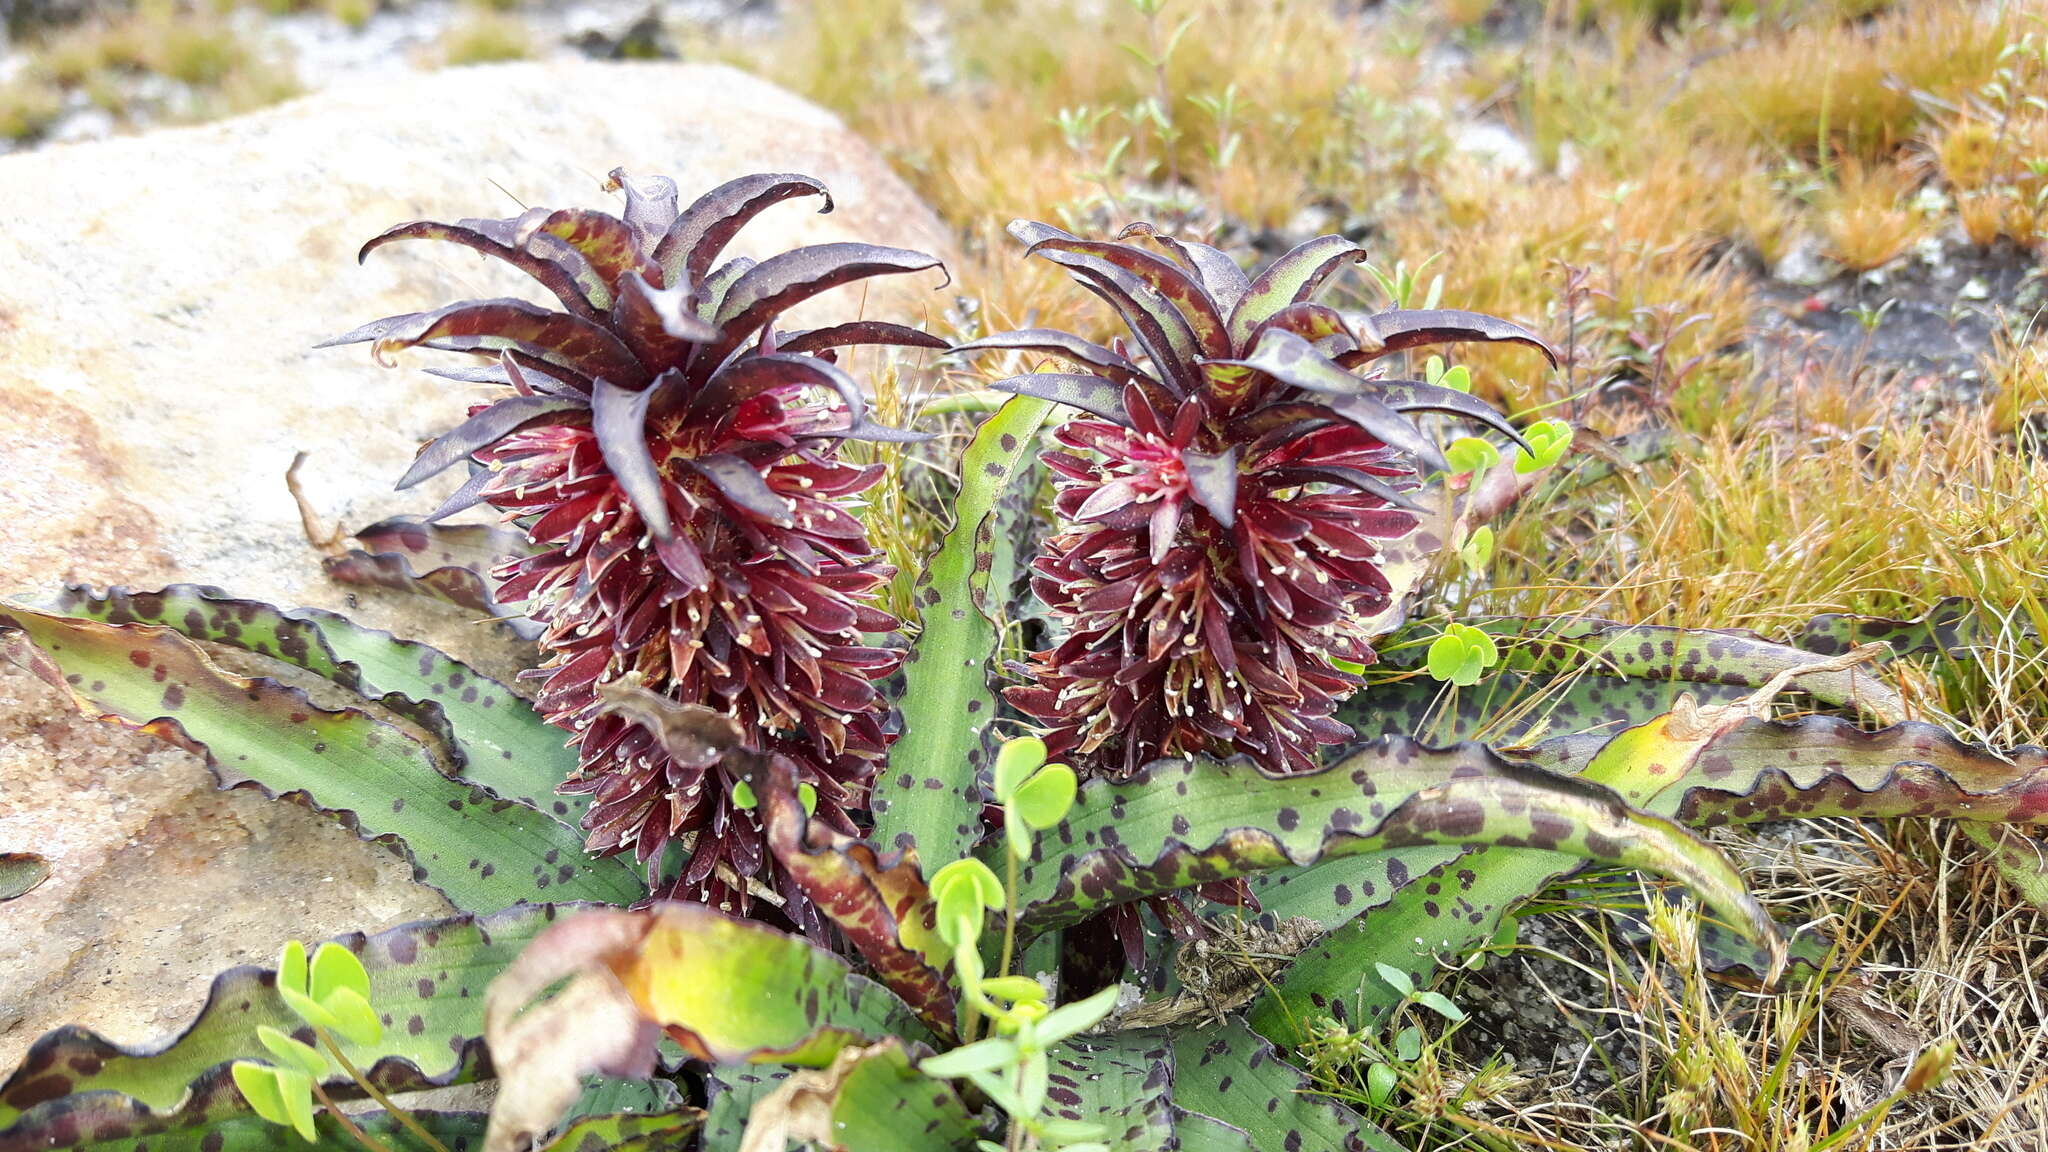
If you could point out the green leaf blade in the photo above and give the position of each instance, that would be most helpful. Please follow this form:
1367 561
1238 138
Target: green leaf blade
929 797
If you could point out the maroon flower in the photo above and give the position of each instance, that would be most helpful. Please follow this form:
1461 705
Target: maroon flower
1225 501
676 461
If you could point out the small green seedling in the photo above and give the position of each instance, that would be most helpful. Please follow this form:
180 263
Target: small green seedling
1458 379
1470 454
1461 655
1035 795
1550 438
1477 550
331 994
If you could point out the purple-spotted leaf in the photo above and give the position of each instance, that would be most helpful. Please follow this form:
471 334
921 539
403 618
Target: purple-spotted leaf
1180 823
487 732
1226 1072
786 279
1291 279
484 852
556 338
1952 626
1120 1084
429 976
619 417
1385 333
562 272
1458 904
869 1100
1066 346
1091 394
929 797
693 241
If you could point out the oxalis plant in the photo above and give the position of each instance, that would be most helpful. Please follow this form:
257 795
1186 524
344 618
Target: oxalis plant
747 871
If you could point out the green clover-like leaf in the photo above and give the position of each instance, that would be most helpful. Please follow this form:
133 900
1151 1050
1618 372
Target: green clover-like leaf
1477 549
283 1096
743 795
1461 655
335 968
972 872
1016 989
291 966
353 1017
1045 799
308 1009
1471 454
980 1056
1550 439
292 1052
1016 760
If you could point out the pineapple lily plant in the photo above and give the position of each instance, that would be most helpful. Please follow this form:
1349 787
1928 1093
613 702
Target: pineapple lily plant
731 881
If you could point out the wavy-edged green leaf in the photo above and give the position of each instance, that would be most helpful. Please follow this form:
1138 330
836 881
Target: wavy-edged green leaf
929 799
1228 1073
483 851
910 1113
221 1124
1178 823
217 1122
1457 905
1952 626
493 736
1823 766
427 979
1121 1082
1700 656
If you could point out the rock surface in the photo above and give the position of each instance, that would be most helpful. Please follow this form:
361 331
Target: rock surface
157 376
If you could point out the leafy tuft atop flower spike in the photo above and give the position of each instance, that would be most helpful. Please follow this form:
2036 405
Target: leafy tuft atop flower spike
675 459
1225 499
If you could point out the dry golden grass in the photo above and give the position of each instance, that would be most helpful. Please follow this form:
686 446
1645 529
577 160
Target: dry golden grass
1824 87
1867 215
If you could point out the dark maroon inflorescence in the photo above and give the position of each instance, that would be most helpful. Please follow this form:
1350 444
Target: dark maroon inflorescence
1225 500
675 459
